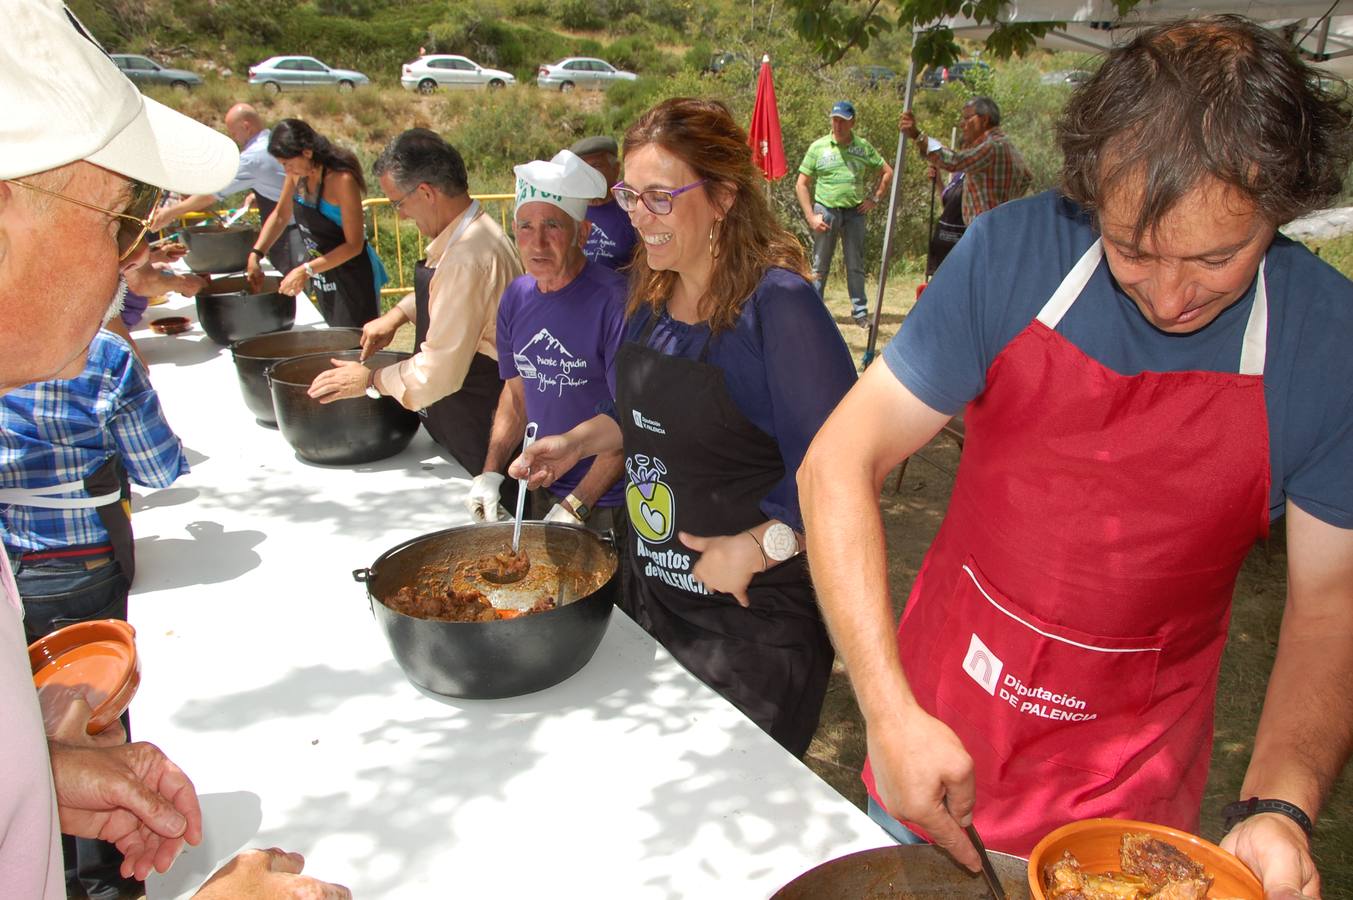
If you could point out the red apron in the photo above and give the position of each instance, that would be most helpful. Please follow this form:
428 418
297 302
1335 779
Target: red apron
1069 619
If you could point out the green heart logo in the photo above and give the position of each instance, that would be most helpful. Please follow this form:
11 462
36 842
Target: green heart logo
652 516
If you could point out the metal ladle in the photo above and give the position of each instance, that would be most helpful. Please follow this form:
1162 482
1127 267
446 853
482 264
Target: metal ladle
488 574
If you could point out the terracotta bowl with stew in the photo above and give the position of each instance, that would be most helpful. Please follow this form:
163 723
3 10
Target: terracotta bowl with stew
171 324
1095 843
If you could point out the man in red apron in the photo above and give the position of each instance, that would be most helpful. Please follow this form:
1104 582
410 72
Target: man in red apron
1142 363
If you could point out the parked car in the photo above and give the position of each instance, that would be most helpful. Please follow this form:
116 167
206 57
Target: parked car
581 72
299 73
871 77
1067 77
427 73
937 77
143 70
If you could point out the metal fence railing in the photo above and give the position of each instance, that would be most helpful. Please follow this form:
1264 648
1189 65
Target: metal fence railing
399 245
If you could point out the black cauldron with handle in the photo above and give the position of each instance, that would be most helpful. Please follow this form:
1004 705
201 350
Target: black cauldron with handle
509 657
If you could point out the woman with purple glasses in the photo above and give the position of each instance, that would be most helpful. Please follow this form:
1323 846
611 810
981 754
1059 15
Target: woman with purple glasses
730 365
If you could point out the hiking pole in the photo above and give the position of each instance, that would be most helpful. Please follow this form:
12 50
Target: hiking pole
877 317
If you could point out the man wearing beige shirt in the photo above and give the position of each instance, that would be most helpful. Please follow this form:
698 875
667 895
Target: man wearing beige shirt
453 378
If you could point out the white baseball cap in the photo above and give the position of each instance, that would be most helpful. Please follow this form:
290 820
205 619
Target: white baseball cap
565 181
64 100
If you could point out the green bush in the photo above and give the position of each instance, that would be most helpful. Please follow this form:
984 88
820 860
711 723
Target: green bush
580 15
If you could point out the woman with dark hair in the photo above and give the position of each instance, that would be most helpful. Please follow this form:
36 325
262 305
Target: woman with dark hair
323 190
1150 375
730 364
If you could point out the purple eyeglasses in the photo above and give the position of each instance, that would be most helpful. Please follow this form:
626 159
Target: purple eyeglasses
658 202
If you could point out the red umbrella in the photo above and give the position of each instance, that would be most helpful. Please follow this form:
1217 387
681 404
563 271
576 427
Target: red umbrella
768 149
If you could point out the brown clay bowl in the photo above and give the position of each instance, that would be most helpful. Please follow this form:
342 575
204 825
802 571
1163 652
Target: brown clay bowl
96 658
1094 842
171 324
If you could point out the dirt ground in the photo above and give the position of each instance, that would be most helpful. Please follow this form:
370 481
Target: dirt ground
912 511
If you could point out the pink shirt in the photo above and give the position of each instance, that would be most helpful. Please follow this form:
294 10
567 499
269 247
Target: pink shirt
30 845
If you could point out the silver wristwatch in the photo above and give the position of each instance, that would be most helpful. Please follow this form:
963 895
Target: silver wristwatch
371 390
779 542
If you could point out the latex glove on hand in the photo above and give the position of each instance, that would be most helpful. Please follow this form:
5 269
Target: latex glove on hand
482 501
563 515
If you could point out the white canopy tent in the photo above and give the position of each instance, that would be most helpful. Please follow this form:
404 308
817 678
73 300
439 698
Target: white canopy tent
1321 29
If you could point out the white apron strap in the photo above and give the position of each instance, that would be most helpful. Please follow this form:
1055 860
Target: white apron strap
1255 345
1071 286
46 497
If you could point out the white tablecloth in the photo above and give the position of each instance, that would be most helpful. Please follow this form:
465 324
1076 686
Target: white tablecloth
267 680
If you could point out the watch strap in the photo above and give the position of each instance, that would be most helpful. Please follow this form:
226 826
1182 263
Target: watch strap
577 507
1239 811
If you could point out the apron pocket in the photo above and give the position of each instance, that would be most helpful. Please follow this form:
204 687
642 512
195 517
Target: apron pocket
1035 690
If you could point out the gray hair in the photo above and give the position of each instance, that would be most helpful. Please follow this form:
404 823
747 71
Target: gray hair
419 156
987 109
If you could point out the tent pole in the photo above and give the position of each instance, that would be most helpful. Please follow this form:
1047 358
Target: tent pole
888 228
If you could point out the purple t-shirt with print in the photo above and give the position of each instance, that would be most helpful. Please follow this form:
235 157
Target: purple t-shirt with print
611 240
563 345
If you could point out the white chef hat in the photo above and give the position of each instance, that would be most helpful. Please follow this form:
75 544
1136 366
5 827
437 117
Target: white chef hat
565 181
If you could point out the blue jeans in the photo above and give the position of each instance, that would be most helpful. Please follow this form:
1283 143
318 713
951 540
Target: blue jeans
848 224
896 830
57 593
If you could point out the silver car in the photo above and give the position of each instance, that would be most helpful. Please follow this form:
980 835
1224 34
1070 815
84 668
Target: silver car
581 72
299 73
427 73
143 71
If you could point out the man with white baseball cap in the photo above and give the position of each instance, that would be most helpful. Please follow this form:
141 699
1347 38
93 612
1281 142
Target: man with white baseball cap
559 327
82 156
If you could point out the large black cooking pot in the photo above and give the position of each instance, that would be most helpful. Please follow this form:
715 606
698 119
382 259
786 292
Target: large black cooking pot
487 660
228 310
345 432
253 356
214 248
914 872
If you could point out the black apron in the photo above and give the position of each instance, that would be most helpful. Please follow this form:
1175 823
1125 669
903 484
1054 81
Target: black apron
949 228
280 253
461 422
697 464
346 295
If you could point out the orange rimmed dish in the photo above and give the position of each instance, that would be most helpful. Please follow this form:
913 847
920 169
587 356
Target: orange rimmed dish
98 659
1095 843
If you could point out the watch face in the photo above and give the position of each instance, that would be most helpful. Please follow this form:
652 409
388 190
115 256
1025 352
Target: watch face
779 542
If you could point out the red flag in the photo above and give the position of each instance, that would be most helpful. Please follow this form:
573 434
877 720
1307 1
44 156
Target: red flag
768 149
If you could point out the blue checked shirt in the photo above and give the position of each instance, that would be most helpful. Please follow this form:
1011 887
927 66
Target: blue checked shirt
60 431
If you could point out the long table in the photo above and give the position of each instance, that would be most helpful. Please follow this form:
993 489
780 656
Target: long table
266 678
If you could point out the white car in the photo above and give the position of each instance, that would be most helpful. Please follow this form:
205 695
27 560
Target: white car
427 73
300 73
582 72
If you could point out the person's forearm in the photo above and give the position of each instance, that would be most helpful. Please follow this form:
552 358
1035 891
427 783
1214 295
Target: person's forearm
606 471
849 566
885 178
804 192
1306 729
509 421
596 436
272 229
190 204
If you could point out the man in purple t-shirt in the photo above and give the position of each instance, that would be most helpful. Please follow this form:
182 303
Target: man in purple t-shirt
612 239
559 328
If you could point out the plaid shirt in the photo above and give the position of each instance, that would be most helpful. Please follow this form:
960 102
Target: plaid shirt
994 173
60 431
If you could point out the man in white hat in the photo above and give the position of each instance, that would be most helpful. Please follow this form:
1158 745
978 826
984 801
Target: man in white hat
80 150
559 327
453 378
